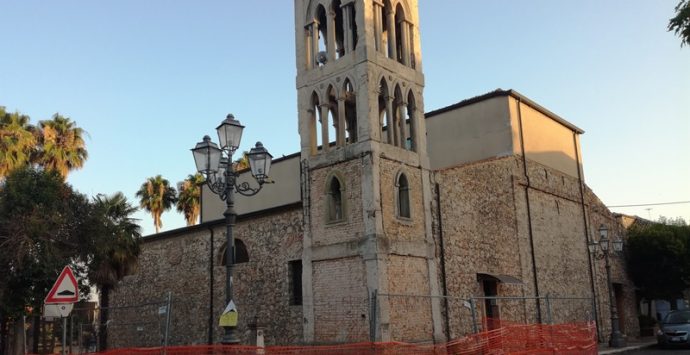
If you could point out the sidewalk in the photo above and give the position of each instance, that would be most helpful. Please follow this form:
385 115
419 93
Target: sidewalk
632 345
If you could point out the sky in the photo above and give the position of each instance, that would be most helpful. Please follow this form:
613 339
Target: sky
148 79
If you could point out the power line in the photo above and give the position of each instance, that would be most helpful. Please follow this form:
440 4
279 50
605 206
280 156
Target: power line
652 204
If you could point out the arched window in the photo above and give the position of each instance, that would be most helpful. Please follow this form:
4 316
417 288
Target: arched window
388 29
336 210
385 113
400 31
314 124
339 21
333 119
241 254
322 33
403 192
353 26
398 119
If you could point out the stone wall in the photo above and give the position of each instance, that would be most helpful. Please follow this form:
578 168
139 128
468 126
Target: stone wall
180 262
560 241
488 228
478 220
485 223
398 228
325 232
410 317
598 215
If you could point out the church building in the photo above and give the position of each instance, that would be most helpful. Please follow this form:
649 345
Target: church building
391 223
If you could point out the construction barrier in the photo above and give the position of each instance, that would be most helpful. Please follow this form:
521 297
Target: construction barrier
506 338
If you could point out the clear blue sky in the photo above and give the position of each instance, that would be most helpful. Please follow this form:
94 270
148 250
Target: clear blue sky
147 79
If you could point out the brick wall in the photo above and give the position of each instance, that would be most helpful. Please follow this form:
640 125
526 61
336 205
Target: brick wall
341 303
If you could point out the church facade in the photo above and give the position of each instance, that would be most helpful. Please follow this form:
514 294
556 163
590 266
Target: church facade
390 223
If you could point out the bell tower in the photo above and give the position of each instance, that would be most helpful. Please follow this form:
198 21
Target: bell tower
365 172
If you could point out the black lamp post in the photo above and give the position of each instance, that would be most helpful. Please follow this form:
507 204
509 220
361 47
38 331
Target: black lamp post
216 165
617 340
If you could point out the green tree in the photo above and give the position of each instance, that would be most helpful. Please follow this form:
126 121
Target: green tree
680 24
156 196
189 198
44 225
17 141
62 147
658 259
115 251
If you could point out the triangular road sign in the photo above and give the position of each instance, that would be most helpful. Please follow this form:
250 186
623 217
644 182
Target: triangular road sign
65 289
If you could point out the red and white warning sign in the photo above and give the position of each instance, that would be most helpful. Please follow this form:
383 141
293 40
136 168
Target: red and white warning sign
65 289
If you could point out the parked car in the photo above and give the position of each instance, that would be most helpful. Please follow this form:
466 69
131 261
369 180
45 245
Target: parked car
674 329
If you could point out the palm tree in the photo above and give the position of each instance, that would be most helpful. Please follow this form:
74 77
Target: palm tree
156 196
17 141
189 198
62 145
117 249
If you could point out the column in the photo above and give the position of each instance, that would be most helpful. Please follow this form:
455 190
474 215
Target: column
313 148
402 105
324 127
309 56
377 26
347 27
411 50
389 120
413 129
404 37
340 140
314 43
330 36
391 34
396 123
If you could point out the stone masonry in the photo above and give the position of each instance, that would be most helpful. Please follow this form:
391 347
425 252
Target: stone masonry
181 264
497 201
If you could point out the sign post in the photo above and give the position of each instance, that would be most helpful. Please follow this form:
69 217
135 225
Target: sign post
60 300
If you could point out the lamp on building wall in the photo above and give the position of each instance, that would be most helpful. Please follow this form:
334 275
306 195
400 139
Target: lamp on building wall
215 162
617 340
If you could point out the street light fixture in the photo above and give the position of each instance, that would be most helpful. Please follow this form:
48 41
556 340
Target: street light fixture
216 164
617 340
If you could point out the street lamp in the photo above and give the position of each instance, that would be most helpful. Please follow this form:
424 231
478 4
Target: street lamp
617 340
215 162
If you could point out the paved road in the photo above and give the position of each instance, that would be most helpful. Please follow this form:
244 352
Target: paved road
654 350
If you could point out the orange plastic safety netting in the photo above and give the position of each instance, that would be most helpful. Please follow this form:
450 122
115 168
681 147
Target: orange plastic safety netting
506 338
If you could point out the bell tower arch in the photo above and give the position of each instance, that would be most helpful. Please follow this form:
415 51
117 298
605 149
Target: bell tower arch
345 50
362 132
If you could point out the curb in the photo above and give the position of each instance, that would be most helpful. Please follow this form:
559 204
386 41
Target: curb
626 349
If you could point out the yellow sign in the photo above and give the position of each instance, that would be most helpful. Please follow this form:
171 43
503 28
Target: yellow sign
229 316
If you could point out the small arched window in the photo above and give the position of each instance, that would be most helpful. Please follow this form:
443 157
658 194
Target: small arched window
403 188
241 254
335 200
